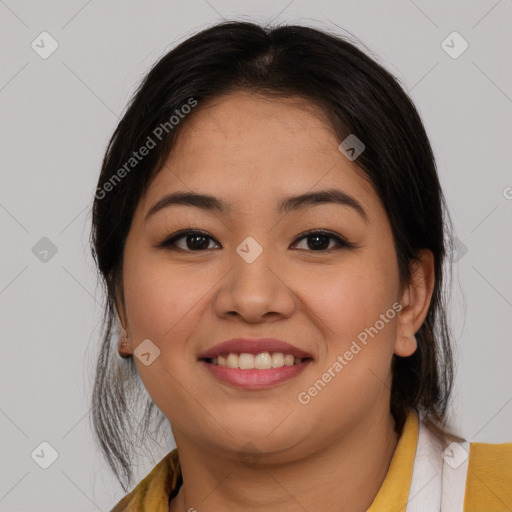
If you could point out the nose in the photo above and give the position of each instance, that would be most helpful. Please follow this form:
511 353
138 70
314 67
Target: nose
256 292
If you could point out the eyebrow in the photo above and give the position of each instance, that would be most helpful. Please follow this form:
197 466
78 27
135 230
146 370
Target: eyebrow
287 205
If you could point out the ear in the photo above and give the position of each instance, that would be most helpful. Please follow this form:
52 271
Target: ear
415 302
124 350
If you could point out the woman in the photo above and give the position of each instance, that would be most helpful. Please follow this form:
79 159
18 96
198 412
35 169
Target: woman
270 228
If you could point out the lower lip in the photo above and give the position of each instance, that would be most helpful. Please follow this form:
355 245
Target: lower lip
255 379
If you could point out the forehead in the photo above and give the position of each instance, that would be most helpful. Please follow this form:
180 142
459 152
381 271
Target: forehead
244 146
243 121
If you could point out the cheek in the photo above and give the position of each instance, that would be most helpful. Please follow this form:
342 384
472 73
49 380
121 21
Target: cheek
158 302
354 311
354 364
349 300
162 306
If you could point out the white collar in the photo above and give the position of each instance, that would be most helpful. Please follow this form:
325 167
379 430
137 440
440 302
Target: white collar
438 481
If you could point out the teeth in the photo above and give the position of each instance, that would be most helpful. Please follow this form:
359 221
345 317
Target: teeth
289 360
246 361
277 360
261 361
232 361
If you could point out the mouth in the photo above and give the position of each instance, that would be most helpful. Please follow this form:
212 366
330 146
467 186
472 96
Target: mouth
255 364
255 347
260 361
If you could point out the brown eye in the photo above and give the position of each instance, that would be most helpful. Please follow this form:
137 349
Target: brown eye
321 240
191 240
194 241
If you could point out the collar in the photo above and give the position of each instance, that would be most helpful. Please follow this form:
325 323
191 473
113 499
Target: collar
394 491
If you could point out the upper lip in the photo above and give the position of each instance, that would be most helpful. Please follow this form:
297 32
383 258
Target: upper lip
253 346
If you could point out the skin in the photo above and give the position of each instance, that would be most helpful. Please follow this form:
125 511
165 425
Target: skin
333 453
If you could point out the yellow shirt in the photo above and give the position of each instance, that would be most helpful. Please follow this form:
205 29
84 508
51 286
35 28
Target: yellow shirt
488 483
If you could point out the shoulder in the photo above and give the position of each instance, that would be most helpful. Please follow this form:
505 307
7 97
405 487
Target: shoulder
489 477
152 493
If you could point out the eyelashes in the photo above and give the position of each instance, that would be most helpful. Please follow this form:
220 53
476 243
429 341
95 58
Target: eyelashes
201 240
322 235
170 242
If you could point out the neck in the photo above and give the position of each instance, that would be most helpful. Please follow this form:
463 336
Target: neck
344 476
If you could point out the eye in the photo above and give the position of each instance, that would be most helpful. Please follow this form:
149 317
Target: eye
319 240
194 240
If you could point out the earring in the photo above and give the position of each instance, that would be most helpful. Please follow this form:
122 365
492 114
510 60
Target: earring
123 344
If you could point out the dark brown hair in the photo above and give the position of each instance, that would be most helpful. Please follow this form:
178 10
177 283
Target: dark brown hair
358 96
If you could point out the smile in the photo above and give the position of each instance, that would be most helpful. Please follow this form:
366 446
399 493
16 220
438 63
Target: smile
261 361
259 371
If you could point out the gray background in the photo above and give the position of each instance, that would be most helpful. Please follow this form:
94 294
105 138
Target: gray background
57 116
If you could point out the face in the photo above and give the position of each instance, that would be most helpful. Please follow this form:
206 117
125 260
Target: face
319 275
